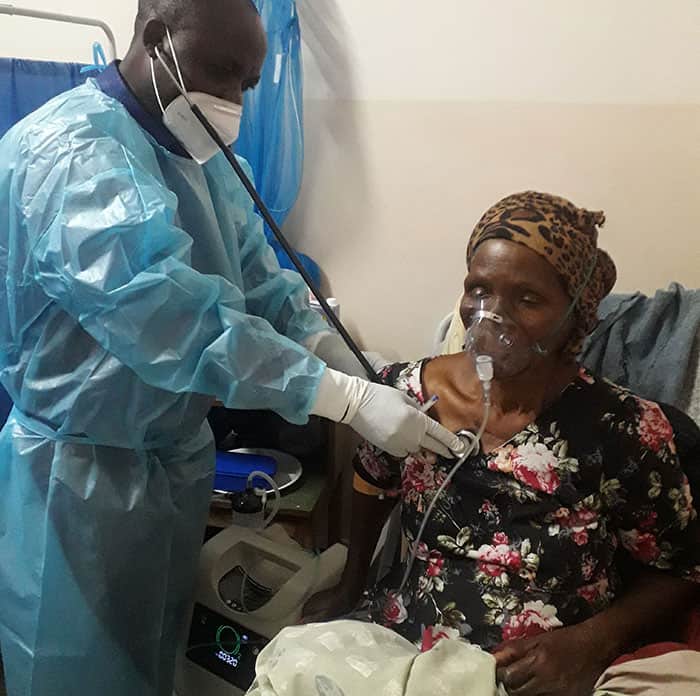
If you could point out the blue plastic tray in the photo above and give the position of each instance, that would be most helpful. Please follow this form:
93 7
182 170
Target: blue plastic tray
233 469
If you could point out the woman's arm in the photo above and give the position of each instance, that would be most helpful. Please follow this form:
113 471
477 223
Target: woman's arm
569 662
376 491
370 511
654 609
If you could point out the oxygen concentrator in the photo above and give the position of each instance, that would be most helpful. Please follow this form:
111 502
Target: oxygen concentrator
252 584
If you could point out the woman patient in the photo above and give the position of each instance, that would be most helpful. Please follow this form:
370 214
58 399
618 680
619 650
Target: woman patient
576 481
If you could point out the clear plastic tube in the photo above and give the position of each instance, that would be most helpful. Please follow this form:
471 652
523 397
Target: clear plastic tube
276 507
263 494
485 373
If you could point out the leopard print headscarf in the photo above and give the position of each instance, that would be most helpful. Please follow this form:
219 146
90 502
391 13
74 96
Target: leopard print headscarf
564 235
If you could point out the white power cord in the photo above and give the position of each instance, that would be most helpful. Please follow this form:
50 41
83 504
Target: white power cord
266 522
262 493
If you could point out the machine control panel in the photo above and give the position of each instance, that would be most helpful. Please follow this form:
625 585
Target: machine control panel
223 647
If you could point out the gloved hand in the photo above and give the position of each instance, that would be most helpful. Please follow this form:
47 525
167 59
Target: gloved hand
383 416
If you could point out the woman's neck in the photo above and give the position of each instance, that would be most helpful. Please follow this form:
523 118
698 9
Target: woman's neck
534 390
514 403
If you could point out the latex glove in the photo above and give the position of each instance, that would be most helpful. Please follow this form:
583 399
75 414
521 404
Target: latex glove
331 348
383 416
565 662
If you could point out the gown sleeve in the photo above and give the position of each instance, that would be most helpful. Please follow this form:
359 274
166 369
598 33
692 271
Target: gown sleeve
278 295
105 248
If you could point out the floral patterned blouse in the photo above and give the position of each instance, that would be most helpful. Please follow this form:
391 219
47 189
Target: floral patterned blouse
526 538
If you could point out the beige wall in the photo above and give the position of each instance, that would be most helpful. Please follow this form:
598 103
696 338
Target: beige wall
392 190
503 50
43 40
420 115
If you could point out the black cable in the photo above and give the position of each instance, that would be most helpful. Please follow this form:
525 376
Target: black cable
267 216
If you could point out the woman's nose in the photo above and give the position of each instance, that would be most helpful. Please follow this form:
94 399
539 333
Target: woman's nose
494 304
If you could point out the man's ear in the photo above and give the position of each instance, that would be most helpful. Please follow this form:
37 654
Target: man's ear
153 35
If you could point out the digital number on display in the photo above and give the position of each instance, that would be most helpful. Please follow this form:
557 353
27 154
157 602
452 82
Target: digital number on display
230 660
229 643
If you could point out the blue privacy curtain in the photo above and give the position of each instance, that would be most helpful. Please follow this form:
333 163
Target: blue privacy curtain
272 131
25 85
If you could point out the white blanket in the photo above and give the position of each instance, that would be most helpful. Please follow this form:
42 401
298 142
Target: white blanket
349 658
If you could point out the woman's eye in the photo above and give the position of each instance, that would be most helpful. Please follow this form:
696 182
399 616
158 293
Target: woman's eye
530 299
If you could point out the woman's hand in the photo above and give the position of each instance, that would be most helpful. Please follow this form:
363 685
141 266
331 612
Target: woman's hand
566 662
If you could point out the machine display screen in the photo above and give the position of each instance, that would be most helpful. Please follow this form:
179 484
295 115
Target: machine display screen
224 648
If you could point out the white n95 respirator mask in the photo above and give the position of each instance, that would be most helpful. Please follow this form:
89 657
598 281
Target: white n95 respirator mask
224 116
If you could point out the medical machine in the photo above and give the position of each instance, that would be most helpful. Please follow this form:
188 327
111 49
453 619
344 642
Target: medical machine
251 585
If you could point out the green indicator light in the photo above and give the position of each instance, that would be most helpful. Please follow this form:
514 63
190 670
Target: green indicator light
230 644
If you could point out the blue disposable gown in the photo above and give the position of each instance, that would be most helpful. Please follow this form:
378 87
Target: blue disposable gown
130 277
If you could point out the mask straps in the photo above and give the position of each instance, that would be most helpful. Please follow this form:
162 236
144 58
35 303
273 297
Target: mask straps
155 84
538 348
177 62
180 84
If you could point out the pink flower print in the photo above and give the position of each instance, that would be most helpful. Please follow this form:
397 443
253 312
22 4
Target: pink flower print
536 467
596 591
371 463
535 619
580 537
642 546
432 580
588 566
409 382
435 564
503 460
499 559
582 517
419 474
422 552
434 634
654 429
648 521
490 512
394 610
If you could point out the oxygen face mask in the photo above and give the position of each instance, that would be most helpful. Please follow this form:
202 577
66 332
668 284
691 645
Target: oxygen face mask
494 334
